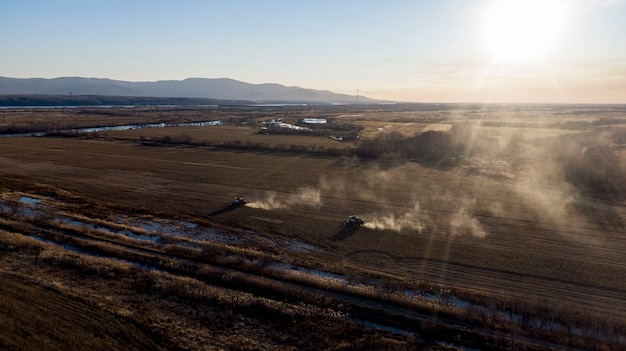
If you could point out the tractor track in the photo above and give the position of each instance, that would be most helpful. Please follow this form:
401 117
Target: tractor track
504 283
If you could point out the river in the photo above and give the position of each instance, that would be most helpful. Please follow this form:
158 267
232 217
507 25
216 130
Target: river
115 128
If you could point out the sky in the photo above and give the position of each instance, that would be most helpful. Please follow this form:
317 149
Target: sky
485 51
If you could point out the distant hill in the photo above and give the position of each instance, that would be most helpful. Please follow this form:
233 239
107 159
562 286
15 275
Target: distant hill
204 88
39 100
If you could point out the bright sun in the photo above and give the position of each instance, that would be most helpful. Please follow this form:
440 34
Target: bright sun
523 30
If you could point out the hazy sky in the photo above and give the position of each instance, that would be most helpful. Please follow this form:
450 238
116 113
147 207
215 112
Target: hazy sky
405 50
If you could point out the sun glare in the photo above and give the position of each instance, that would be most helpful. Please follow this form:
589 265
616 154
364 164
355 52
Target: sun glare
522 30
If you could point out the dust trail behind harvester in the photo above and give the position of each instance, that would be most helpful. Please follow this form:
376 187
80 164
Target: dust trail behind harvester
304 197
410 220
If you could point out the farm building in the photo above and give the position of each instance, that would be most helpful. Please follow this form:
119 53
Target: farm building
314 120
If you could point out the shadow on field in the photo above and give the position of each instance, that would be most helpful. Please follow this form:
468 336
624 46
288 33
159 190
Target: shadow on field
345 233
223 210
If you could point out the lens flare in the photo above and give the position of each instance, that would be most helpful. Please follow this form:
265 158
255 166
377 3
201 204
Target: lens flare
521 30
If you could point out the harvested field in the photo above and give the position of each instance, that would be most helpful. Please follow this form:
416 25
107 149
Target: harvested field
458 219
63 322
515 236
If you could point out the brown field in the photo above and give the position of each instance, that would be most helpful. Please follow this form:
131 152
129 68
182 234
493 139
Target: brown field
222 134
506 235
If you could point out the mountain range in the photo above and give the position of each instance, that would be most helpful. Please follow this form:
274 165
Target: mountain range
205 88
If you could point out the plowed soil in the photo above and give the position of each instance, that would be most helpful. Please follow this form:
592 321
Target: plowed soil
39 318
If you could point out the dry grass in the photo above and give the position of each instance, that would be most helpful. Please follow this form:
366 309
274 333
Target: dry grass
170 310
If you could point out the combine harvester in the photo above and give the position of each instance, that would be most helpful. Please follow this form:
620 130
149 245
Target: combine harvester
353 221
238 202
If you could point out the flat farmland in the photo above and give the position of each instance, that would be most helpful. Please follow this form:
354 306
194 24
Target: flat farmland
524 235
223 134
427 224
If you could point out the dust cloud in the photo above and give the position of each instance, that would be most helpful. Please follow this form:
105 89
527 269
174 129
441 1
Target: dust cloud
546 178
553 201
304 197
405 207
563 178
462 222
410 220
